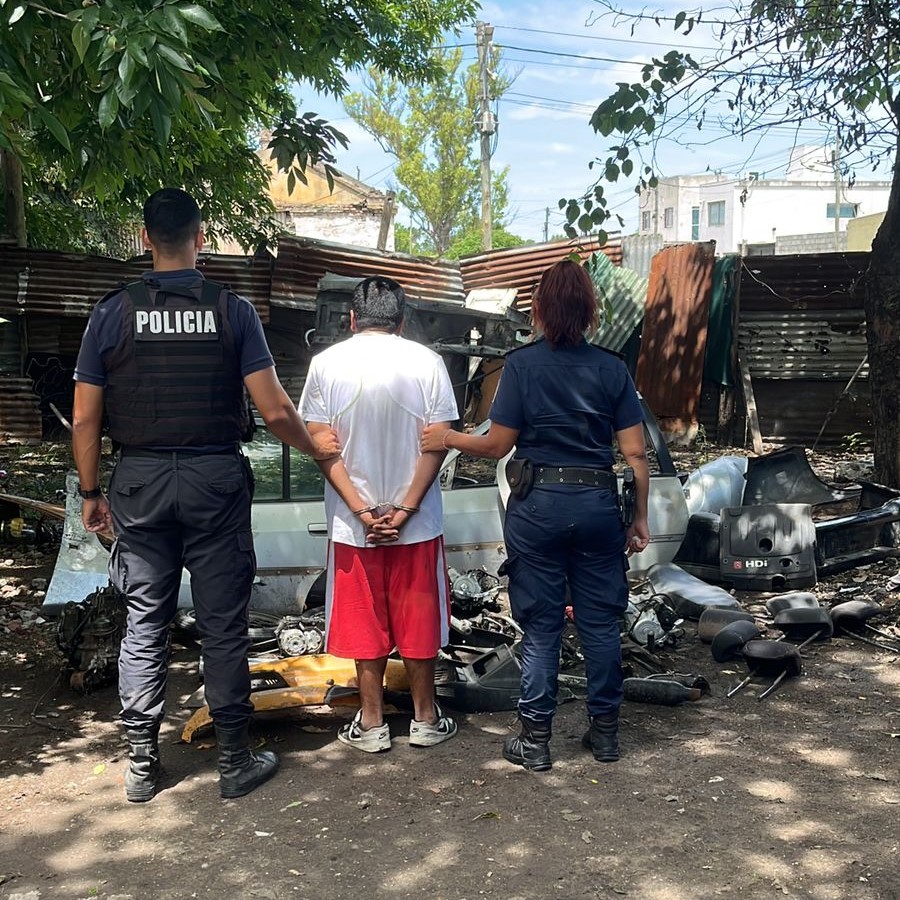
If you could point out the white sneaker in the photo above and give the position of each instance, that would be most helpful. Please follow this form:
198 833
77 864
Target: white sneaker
427 734
371 740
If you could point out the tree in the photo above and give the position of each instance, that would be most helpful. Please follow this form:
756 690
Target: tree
782 62
468 242
108 101
430 129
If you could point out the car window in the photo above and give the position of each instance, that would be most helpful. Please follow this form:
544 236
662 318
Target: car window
282 475
307 481
474 471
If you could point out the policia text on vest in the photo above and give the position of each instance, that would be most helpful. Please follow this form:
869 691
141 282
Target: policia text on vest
162 322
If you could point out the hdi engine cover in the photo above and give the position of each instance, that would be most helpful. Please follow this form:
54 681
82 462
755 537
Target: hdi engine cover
768 548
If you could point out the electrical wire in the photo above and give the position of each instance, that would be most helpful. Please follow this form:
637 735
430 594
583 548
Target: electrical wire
597 37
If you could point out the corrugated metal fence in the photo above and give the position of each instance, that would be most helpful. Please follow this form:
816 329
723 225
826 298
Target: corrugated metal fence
46 297
673 344
801 331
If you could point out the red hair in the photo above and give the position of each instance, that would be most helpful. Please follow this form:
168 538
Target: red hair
565 304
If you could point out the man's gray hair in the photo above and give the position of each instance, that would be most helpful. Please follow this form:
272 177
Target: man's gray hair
378 303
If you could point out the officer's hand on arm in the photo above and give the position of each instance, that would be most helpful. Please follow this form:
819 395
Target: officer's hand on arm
433 438
326 443
440 437
281 417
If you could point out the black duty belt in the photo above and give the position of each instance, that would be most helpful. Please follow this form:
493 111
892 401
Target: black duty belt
575 475
150 453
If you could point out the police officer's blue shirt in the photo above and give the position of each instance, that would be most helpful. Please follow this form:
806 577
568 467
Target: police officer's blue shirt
566 403
104 329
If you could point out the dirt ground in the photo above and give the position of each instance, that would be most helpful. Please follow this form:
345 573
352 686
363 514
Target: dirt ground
797 796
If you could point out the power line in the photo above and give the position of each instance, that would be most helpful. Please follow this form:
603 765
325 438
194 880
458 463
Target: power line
608 59
597 37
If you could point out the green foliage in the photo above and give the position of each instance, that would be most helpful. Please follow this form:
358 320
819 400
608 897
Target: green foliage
120 97
854 444
834 63
430 129
468 242
80 226
781 63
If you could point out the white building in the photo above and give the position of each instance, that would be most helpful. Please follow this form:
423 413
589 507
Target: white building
737 210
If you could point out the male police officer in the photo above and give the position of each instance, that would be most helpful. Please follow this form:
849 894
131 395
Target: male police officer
169 357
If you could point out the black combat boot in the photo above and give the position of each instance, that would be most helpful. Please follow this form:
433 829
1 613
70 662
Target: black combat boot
240 770
530 748
142 774
602 738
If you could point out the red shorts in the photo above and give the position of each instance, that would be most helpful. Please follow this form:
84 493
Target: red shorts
379 598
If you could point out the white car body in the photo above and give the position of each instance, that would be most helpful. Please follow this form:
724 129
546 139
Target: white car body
290 534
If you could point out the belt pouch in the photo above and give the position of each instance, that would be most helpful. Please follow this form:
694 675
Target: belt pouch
520 477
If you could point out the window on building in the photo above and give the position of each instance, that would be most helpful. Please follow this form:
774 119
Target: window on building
848 210
645 221
715 213
695 223
669 216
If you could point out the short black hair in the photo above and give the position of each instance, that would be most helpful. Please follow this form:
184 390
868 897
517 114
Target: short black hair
172 217
378 303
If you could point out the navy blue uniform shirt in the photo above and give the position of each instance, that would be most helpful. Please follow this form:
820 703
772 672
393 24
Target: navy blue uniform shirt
104 330
566 403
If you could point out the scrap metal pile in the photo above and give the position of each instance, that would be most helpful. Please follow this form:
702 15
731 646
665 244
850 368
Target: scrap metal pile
726 538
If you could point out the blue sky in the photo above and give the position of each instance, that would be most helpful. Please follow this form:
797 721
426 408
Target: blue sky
569 58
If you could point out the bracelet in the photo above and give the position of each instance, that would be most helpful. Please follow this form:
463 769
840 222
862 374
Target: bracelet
444 439
362 512
409 509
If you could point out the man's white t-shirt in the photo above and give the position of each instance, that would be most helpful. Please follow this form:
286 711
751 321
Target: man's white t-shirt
378 391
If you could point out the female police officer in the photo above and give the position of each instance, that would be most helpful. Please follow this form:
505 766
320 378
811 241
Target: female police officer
561 401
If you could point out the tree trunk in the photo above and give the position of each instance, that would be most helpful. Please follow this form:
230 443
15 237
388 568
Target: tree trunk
883 337
13 196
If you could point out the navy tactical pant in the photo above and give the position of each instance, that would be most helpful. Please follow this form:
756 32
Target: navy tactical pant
559 536
174 511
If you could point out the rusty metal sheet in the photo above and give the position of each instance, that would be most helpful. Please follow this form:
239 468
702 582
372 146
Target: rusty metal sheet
302 262
69 284
793 412
821 281
673 344
249 276
521 267
54 334
802 332
803 344
20 416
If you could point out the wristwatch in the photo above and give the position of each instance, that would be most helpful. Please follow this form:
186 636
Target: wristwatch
92 494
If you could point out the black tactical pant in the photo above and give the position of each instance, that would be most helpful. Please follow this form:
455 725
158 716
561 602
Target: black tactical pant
173 511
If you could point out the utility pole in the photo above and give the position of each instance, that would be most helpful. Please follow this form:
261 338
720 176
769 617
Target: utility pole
546 224
387 216
836 159
484 34
656 207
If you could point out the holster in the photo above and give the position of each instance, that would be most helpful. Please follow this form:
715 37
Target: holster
628 496
520 477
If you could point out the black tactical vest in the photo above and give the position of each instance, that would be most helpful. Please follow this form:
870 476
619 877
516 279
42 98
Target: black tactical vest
174 378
